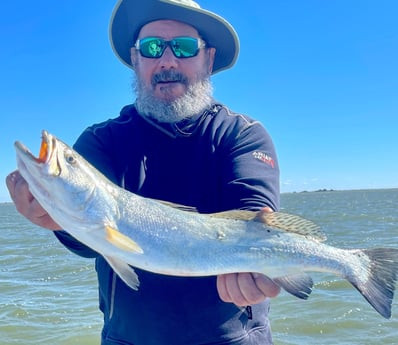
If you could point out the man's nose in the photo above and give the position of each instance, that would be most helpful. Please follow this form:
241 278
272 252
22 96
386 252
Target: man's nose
168 59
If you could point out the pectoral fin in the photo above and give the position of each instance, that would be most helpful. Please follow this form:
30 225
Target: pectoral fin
124 271
122 241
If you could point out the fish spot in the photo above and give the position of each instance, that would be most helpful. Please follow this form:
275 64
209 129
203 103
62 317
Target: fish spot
221 235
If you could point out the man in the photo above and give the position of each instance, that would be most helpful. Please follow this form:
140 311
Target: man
176 143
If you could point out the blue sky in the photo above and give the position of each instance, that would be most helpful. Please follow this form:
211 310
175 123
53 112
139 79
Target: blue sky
322 76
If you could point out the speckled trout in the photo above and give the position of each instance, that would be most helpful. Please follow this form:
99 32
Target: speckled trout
130 230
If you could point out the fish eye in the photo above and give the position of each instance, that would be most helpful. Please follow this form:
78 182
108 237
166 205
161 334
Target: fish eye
70 157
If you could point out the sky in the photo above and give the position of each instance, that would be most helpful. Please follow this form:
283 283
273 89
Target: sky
321 76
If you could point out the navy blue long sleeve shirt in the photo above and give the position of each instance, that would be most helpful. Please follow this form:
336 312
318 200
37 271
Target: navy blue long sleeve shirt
216 162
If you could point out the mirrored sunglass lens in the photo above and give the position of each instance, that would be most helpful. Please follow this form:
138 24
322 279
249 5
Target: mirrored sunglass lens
185 46
152 47
182 47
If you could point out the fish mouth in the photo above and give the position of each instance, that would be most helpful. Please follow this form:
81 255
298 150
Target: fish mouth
46 149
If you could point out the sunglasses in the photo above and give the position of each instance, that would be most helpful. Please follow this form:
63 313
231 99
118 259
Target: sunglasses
182 47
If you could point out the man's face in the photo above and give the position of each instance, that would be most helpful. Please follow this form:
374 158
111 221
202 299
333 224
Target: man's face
190 70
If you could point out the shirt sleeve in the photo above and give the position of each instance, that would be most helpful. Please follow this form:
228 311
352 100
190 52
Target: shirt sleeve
251 169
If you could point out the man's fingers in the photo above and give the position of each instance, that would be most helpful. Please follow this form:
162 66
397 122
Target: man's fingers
266 285
25 202
246 288
222 288
250 291
11 182
19 191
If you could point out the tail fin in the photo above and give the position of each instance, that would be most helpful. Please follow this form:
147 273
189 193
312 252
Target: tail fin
378 288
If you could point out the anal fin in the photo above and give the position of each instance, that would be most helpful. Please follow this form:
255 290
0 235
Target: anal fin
297 285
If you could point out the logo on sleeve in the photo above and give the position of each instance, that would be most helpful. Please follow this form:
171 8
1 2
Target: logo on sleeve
263 157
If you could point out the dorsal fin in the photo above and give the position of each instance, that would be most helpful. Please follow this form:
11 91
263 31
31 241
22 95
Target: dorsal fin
235 214
291 223
177 206
277 220
231 214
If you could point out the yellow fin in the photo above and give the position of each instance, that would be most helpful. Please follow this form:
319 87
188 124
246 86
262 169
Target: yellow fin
122 241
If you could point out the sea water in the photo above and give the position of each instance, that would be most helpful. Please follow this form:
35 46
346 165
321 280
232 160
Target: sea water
49 296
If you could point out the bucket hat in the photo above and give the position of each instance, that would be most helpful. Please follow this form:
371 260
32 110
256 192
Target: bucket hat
129 16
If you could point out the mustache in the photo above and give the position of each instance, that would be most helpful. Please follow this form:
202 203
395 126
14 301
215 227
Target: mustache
169 76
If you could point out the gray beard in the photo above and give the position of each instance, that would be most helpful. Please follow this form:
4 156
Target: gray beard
197 99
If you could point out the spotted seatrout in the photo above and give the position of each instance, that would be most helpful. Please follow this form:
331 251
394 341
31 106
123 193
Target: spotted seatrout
131 230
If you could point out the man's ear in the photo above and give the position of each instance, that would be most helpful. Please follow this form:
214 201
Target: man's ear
210 62
133 57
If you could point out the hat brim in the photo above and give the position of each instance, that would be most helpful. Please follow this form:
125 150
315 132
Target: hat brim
129 16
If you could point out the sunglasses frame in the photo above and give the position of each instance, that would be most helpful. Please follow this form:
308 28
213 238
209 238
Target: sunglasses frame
171 44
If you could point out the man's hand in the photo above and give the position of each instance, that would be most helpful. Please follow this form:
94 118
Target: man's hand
26 204
245 289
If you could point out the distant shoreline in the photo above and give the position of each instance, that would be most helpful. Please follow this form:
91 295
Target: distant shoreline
324 190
